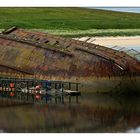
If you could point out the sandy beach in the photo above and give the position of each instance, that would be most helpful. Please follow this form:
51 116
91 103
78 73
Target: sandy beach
113 41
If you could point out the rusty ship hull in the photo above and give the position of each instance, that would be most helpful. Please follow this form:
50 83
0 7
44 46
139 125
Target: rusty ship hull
44 56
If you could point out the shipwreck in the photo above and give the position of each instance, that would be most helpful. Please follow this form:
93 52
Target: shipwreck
32 54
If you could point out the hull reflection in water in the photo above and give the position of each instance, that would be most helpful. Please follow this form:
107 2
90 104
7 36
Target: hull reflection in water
95 113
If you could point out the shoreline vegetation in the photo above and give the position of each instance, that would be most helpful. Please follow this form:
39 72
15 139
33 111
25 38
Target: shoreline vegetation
90 33
111 37
72 22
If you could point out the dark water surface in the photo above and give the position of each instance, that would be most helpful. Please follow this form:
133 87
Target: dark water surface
94 113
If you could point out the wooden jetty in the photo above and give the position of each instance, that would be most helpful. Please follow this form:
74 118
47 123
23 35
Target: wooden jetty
35 90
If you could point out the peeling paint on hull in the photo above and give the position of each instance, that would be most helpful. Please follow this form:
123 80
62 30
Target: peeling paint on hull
44 56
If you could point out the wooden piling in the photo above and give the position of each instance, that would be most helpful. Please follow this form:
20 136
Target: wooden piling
56 100
27 84
62 93
77 86
77 99
69 86
55 85
69 99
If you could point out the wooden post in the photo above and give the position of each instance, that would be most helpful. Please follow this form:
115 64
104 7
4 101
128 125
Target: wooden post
2 87
60 85
69 86
76 86
69 99
62 93
50 99
55 85
46 99
60 99
27 89
15 89
50 84
33 97
77 99
56 100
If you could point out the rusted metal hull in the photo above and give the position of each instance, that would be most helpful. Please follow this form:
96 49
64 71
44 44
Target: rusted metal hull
40 55
114 85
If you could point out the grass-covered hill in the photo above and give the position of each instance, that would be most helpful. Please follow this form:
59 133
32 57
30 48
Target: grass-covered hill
70 19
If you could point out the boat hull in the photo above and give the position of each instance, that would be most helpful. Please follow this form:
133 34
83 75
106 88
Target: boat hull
99 69
113 85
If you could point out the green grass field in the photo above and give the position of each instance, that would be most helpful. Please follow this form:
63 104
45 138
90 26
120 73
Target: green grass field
93 32
68 21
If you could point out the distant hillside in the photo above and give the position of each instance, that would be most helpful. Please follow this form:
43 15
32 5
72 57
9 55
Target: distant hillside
67 18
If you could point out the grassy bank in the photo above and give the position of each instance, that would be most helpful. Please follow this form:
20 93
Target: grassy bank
72 21
93 32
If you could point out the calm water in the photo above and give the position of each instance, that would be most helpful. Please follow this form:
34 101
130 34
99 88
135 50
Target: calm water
94 113
121 9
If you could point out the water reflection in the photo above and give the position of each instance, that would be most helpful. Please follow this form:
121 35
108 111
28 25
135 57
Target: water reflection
137 130
95 113
1 131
